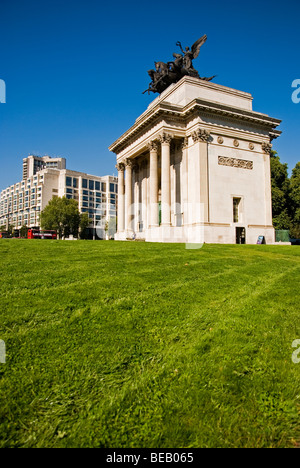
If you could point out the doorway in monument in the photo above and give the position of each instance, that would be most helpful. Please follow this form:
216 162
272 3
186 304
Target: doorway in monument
240 234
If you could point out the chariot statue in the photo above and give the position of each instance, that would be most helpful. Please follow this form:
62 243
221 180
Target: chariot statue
171 72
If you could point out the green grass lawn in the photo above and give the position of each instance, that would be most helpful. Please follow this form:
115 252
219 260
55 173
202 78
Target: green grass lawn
112 344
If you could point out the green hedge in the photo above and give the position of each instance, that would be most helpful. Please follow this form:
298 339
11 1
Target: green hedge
282 236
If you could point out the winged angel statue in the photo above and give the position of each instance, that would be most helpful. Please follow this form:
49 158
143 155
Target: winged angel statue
171 72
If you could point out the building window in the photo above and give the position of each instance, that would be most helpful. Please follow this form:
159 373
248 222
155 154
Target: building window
103 186
84 183
236 209
75 183
97 186
69 181
91 185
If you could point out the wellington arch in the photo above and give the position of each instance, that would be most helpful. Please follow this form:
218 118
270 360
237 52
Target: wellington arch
195 167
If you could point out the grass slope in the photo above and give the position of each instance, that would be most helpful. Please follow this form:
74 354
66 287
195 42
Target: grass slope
114 344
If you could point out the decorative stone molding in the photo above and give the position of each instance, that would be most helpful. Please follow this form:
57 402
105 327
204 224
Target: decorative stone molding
120 167
220 140
266 147
251 146
165 138
201 135
152 146
233 162
236 143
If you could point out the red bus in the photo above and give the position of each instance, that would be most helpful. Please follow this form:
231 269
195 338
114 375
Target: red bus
38 234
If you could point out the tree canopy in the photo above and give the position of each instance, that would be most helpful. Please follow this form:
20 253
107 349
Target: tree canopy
295 200
285 196
62 215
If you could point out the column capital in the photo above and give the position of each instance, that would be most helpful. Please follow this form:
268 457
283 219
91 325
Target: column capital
129 163
201 135
266 147
165 138
185 142
152 145
120 167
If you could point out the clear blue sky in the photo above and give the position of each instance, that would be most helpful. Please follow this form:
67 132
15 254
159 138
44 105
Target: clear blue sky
75 70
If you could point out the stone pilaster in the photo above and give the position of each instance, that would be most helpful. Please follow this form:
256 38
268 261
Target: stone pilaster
199 180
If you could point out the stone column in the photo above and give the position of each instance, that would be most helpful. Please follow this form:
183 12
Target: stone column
165 140
144 193
121 197
153 185
185 180
128 195
136 196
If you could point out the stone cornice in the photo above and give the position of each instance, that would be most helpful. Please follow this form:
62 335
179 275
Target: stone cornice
164 110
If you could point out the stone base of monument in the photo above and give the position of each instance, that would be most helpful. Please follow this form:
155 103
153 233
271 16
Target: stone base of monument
202 233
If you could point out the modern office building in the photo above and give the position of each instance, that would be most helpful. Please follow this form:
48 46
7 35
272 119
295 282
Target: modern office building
22 203
33 164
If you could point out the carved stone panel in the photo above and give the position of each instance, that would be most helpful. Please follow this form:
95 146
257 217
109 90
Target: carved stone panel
233 162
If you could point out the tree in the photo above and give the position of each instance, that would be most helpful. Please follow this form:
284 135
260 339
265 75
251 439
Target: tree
84 223
295 201
62 215
280 183
23 231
